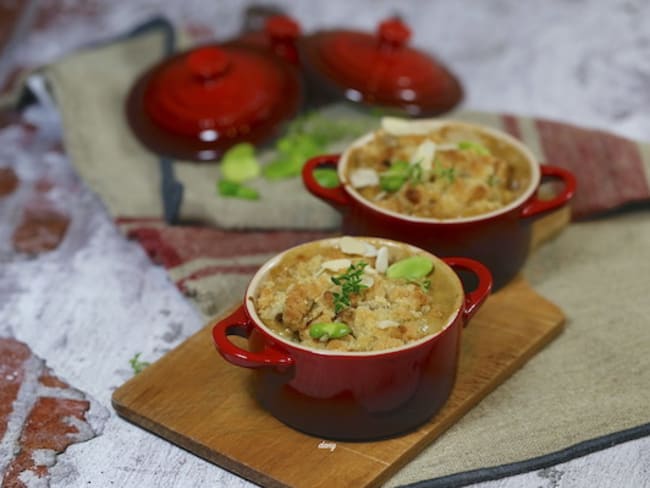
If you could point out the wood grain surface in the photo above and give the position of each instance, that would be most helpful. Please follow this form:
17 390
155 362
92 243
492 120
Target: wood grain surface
195 399
549 226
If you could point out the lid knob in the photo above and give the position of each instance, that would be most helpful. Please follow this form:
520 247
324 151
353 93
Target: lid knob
283 32
282 27
393 32
207 63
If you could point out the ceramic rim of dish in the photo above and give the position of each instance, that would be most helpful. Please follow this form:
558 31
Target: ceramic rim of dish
249 299
438 124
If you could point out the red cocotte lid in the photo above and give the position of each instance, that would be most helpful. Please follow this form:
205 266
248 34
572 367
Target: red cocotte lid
197 104
381 69
279 35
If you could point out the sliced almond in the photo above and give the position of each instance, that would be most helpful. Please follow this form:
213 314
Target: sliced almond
385 324
336 264
424 155
371 251
381 262
350 245
367 281
447 146
363 177
400 127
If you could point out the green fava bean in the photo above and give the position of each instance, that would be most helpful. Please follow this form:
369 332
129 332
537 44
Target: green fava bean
326 177
391 183
236 190
394 177
411 268
476 147
239 163
333 330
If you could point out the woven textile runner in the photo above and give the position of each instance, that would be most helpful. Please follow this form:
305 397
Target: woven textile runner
612 172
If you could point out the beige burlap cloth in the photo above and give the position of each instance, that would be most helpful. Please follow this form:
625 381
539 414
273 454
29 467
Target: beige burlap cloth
591 381
90 88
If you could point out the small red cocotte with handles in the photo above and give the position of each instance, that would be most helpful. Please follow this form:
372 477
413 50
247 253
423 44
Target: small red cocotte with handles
351 395
499 239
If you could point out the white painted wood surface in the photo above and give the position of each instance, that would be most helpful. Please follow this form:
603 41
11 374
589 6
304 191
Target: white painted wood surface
89 306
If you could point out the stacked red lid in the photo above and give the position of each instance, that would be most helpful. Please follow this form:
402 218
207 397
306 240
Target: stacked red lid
197 104
381 69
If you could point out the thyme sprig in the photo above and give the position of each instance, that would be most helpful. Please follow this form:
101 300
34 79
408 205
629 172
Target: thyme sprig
493 180
399 173
138 365
350 283
444 172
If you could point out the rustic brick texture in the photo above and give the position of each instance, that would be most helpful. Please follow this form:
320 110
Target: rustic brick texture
8 181
40 230
40 416
12 356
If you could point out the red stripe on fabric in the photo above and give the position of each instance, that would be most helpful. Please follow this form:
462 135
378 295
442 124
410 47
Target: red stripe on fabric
217 270
511 125
609 169
136 220
173 246
155 246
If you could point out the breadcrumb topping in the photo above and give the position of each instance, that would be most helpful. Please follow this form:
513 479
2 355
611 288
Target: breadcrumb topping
383 312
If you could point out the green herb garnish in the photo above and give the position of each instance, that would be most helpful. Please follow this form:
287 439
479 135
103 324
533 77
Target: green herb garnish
350 282
415 173
399 173
138 365
493 180
394 177
239 164
476 147
232 189
441 172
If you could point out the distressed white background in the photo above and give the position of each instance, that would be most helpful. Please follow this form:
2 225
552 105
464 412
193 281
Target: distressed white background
89 306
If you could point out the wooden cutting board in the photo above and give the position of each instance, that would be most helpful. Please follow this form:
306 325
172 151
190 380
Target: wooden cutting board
195 399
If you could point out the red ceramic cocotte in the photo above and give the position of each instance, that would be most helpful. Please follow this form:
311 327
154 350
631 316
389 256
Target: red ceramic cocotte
351 395
499 239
